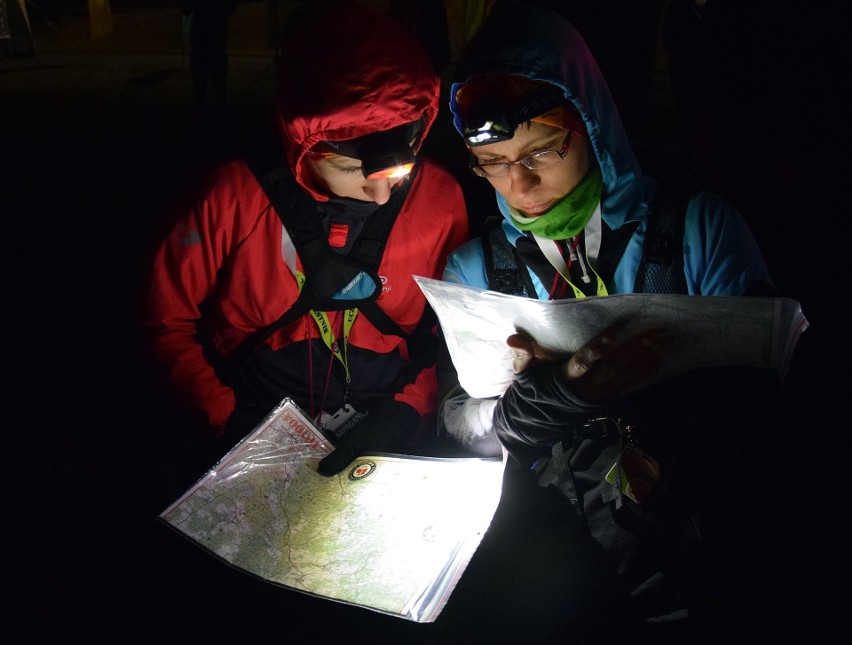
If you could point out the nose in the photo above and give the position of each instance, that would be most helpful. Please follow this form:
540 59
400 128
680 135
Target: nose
378 190
523 181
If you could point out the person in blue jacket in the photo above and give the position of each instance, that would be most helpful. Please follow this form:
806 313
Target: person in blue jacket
541 127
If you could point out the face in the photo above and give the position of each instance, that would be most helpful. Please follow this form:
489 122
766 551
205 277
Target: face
342 177
533 192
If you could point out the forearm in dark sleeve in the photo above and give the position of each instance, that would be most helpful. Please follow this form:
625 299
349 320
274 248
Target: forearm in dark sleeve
537 411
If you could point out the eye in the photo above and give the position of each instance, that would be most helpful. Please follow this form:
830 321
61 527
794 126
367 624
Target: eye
350 169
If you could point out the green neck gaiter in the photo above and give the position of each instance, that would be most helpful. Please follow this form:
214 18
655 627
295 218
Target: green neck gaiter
567 218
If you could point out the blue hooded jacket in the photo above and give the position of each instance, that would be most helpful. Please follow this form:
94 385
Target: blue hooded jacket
721 256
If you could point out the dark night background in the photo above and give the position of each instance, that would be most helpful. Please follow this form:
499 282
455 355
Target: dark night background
98 139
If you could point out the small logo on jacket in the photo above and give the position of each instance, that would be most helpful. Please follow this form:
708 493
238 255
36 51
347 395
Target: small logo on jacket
188 236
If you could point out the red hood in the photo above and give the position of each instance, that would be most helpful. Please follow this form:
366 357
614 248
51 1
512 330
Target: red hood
347 72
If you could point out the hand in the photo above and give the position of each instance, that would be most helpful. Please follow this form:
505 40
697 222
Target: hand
604 367
386 428
526 353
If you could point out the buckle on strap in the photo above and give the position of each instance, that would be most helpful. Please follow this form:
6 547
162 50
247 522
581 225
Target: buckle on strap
599 428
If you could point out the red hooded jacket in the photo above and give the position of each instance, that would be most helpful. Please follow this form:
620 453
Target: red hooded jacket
356 74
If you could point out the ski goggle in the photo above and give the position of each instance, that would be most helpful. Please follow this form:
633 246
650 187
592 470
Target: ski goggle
490 110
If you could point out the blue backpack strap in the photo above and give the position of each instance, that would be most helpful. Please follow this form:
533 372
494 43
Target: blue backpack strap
505 271
661 268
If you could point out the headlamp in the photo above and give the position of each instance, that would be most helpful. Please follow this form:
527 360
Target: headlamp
489 115
387 154
490 131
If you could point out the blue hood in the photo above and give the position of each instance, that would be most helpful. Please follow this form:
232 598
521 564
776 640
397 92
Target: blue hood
532 41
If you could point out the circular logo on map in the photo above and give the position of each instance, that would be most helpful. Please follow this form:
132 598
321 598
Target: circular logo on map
362 469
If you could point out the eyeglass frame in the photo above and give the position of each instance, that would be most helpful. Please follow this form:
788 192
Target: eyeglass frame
562 152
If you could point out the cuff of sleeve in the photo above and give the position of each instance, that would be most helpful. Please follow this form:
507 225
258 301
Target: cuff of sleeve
219 411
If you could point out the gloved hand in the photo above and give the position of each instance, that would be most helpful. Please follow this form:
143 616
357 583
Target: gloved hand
554 394
537 411
387 428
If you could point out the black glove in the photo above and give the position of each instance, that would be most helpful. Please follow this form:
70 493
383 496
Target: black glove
387 428
537 411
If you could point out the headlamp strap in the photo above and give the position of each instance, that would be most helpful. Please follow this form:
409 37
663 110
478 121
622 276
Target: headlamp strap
534 106
490 123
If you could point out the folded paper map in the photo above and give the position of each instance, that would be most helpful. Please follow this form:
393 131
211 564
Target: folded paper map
704 330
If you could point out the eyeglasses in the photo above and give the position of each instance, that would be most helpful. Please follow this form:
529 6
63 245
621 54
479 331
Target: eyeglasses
537 161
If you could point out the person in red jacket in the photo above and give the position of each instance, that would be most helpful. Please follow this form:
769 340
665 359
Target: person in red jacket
357 96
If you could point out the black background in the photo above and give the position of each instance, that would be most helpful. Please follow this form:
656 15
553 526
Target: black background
88 172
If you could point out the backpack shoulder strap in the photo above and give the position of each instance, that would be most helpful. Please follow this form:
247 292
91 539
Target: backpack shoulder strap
299 217
292 206
505 270
661 267
254 340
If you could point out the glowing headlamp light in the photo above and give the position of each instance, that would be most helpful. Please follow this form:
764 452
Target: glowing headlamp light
490 131
394 172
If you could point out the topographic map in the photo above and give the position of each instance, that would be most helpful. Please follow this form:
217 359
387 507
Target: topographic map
389 533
